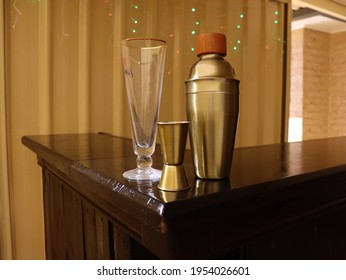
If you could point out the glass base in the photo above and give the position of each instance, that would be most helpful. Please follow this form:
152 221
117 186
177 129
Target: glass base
149 174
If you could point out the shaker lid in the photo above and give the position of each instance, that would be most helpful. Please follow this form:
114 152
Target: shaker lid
211 43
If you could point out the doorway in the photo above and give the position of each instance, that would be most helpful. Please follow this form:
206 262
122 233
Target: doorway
318 76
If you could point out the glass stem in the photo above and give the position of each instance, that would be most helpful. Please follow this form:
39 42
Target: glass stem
144 162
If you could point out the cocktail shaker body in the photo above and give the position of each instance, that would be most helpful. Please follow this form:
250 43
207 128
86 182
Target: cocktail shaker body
212 95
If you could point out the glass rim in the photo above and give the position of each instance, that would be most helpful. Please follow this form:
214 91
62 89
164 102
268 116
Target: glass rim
143 39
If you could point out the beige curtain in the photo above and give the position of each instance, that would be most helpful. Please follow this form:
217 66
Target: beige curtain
64 75
5 224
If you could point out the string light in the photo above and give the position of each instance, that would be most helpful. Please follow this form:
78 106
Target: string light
276 13
235 44
236 23
194 32
135 21
18 13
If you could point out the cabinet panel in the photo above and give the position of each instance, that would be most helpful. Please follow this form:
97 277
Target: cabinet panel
53 218
96 233
321 238
73 225
122 245
63 220
76 229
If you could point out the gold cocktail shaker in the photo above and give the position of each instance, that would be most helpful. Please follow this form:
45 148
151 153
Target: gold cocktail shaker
212 93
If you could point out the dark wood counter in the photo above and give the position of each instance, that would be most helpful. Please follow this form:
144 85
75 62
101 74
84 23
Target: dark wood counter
282 201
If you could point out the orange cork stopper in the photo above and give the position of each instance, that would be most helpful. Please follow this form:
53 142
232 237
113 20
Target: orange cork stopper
211 43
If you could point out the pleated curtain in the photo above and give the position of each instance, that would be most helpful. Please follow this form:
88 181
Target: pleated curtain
61 72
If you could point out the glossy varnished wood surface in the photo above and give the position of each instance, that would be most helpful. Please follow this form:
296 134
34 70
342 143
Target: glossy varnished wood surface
105 158
269 187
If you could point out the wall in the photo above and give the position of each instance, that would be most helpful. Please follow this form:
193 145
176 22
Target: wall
296 87
318 82
296 100
337 86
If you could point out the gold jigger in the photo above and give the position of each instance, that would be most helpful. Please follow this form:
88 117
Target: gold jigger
173 137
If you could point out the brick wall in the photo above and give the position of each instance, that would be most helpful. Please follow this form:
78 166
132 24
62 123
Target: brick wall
315 84
296 100
337 88
318 82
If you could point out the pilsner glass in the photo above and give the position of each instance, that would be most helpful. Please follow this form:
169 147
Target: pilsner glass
143 61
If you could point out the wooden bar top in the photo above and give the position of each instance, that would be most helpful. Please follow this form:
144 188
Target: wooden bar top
270 187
